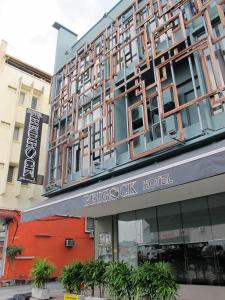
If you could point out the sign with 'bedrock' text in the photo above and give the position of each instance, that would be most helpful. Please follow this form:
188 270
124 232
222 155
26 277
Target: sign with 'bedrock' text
29 156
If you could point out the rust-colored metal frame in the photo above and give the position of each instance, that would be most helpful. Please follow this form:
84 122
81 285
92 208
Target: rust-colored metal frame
90 86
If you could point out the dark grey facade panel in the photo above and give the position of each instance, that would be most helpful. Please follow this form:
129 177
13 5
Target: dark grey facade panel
196 165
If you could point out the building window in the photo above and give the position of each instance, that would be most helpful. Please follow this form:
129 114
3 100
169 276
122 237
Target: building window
16 133
89 225
21 98
10 174
34 102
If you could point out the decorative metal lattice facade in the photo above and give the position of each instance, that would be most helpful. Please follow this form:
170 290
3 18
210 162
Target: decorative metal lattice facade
153 79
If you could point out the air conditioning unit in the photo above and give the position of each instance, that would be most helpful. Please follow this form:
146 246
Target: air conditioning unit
69 243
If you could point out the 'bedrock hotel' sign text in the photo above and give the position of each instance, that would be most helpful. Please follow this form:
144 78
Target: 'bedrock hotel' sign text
129 189
29 156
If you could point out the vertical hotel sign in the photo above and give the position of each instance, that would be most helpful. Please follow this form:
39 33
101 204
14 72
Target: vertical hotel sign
29 156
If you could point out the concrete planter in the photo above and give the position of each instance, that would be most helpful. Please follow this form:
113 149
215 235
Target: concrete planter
40 294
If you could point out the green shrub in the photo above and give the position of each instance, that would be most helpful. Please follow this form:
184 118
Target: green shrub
41 272
164 283
89 270
155 281
72 277
118 278
142 281
94 275
12 251
100 275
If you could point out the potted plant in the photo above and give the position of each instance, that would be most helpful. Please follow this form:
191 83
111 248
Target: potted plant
11 252
40 274
118 277
100 276
89 269
164 282
72 278
94 275
154 281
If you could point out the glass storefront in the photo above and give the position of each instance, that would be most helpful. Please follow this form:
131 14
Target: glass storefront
188 234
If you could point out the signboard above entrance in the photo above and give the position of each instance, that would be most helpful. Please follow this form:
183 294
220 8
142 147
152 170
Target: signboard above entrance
131 188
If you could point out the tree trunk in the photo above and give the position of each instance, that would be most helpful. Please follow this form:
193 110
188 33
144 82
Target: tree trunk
100 291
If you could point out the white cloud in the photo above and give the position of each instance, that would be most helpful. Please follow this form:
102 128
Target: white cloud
27 25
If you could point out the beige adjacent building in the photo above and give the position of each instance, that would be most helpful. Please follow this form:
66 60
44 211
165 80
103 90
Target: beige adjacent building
22 86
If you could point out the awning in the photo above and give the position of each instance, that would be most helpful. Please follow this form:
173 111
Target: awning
203 167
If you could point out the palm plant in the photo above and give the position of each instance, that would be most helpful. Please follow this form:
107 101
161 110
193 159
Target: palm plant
155 281
41 272
119 280
89 273
100 277
72 277
142 280
164 283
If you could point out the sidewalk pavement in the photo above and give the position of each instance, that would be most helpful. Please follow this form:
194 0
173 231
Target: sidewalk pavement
187 292
56 291
201 292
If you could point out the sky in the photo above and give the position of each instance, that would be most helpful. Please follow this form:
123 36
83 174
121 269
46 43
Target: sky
26 25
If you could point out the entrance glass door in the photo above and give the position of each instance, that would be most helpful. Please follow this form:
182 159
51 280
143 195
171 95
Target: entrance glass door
188 234
201 267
